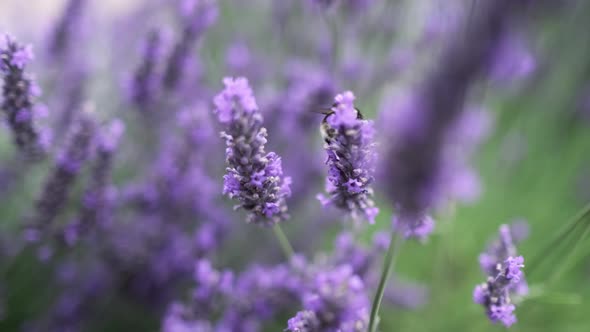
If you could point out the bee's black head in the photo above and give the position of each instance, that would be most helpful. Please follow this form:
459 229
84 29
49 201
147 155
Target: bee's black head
329 111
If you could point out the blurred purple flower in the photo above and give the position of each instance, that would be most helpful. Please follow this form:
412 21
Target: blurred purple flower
414 226
65 29
68 163
415 148
304 321
177 320
198 16
338 299
98 196
513 60
143 86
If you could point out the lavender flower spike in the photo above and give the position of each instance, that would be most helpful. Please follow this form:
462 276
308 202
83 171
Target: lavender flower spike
254 177
351 158
144 85
336 301
199 15
67 167
61 38
304 321
413 158
19 93
505 278
95 206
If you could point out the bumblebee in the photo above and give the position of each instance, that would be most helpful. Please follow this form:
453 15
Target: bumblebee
328 132
329 111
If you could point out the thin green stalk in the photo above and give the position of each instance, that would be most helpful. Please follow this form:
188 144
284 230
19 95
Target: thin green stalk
388 263
559 238
568 260
283 241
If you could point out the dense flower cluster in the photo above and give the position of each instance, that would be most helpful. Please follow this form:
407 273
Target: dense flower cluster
254 178
337 301
19 93
505 278
349 143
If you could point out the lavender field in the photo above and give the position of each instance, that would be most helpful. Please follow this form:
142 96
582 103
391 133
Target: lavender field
294 165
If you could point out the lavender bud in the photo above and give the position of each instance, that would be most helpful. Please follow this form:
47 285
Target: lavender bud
19 93
505 278
254 177
351 157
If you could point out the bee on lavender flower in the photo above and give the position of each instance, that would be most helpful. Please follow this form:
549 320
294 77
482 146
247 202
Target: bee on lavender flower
328 132
349 144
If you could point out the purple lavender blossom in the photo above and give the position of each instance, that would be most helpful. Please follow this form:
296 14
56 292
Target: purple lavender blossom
502 247
67 166
143 86
68 24
212 288
413 226
513 60
211 284
254 178
198 16
452 178
80 289
365 262
240 61
19 93
338 299
351 157
494 294
505 279
414 151
259 293
304 321
95 204
177 320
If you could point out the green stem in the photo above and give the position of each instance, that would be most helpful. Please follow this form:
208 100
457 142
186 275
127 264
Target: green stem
568 260
388 263
559 238
283 241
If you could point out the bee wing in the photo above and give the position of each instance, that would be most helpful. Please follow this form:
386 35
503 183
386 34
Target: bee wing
324 111
359 115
